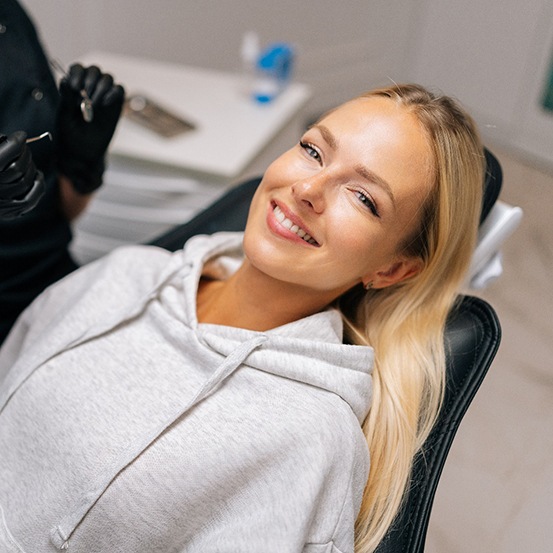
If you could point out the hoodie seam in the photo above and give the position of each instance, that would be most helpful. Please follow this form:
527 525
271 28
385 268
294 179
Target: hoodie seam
346 493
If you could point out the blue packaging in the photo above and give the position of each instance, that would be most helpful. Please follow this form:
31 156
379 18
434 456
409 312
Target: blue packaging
273 71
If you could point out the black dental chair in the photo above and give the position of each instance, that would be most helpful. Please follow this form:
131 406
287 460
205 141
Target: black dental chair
472 338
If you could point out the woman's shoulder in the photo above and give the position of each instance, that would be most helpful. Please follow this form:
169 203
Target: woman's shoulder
134 263
300 413
335 425
126 272
136 253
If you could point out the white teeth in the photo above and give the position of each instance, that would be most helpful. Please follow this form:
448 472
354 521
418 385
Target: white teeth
286 223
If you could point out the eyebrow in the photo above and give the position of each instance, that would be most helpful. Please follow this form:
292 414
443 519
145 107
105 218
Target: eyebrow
328 136
362 171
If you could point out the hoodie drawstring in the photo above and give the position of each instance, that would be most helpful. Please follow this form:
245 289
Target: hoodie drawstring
61 533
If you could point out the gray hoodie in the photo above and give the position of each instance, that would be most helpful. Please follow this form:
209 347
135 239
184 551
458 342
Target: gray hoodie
127 426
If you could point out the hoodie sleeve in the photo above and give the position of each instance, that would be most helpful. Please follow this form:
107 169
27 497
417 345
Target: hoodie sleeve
12 344
37 317
105 284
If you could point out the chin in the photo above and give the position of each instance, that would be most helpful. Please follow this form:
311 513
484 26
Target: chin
266 257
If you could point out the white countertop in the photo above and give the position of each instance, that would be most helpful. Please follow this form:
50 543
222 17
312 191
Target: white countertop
231 128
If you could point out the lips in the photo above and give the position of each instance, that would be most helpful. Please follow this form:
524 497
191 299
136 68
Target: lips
293 227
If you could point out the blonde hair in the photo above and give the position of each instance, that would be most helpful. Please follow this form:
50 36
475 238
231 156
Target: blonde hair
405 322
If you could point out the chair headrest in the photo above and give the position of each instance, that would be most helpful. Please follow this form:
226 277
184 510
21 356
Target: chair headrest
492 183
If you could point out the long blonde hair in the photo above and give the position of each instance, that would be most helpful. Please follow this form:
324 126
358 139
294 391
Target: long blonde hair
405 323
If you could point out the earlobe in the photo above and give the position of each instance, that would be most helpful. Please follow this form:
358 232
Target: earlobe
398 272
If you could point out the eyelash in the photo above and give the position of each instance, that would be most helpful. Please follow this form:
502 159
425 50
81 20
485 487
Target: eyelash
310 149
367 201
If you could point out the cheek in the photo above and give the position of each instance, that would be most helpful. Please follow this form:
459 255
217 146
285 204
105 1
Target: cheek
361 244
355 253
284 171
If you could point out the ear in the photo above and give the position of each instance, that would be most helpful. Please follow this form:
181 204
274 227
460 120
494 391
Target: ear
406 267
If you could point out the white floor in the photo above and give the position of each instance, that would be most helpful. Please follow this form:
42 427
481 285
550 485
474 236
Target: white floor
496 491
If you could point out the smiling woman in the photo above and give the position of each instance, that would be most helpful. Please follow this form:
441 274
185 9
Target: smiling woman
264 391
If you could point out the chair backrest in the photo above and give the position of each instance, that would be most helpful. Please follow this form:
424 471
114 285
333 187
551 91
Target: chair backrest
472 337
493 181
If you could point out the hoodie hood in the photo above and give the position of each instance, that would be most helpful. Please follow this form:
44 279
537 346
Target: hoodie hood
309 350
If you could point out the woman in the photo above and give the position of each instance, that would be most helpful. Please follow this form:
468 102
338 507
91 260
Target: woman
205 400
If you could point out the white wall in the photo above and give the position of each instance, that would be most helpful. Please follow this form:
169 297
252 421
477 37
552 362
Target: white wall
491 54
343 47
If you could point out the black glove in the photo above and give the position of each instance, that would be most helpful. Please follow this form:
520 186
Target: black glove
82 145
21 184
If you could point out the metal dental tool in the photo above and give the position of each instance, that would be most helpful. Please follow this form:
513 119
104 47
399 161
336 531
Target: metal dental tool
39 137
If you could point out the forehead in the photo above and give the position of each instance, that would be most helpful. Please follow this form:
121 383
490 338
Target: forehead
378 120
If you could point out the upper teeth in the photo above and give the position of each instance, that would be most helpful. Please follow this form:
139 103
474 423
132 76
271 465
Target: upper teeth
286 223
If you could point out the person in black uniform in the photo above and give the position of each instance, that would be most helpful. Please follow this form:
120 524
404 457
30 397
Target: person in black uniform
46 183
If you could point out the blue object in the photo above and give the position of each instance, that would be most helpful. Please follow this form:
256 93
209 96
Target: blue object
273 71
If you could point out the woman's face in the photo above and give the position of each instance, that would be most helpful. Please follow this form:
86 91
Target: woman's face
332 211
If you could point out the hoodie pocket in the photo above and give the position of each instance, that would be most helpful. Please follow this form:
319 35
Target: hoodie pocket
7 541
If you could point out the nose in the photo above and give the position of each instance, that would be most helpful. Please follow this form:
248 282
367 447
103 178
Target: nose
310 192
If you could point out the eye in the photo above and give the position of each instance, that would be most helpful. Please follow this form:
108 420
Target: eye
311 151
366 200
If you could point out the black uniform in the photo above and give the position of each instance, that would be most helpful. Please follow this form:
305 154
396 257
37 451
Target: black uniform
33 247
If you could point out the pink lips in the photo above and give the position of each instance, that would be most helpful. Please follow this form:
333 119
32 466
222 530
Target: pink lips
293 229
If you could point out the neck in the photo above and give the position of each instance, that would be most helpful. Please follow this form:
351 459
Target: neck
253 300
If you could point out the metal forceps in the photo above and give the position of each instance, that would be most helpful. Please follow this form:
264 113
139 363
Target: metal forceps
87 109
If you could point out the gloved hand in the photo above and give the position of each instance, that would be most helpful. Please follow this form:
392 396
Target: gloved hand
82 145
21 184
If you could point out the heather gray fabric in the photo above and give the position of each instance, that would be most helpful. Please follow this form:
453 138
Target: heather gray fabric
126 426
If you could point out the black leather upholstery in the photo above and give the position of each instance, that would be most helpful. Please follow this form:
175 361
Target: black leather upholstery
493 179
472 338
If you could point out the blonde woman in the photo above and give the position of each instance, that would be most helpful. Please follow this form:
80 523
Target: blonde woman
257 392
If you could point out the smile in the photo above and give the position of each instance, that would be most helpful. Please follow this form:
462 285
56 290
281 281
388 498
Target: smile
288 224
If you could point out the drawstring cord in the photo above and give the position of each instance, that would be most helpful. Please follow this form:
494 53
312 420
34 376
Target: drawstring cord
61 533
